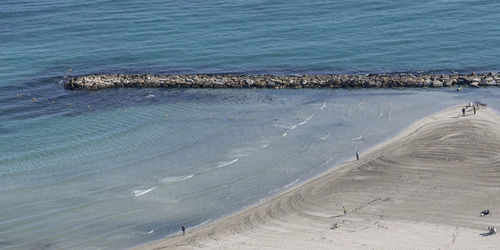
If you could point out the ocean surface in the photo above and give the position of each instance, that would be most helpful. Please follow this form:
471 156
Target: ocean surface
122 167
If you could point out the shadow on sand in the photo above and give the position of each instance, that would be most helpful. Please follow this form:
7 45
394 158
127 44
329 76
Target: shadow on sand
486 234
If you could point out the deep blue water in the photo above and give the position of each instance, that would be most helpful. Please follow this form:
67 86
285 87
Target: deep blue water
121 167
40 39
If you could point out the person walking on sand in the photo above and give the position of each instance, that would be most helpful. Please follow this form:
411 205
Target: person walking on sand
463 111
345 210
357 155
183 228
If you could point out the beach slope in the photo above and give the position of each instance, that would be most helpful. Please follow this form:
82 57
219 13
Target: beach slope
424 188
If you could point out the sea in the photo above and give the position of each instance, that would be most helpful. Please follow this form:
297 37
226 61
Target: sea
119 168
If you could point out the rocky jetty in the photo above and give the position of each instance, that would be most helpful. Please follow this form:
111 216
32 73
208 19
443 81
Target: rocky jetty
102 81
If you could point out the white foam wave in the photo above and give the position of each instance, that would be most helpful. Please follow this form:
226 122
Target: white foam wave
285 126
359 138
274 190
223 164
307 120
140 192
241 152
285 134
326 136
205 222
326 163
264 146
172 179
291 184
324 105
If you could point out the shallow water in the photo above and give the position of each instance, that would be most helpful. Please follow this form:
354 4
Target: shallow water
127 172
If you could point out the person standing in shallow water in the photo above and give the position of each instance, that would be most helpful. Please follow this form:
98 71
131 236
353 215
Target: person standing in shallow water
357 156
463 111
474 109
183 228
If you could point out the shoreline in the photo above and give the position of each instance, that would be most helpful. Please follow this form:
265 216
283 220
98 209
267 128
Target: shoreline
310 203
403 80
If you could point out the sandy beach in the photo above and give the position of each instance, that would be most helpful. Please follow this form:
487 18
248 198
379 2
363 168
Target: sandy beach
422 189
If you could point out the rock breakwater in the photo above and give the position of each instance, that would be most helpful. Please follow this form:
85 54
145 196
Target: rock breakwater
103 81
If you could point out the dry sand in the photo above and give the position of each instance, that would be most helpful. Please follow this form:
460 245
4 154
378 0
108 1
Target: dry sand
422 189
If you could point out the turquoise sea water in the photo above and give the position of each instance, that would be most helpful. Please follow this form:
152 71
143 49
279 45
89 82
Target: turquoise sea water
122 167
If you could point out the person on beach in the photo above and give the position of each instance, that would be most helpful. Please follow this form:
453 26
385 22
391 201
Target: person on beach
183 228
463 111
474 108
345 210
357 155
485 212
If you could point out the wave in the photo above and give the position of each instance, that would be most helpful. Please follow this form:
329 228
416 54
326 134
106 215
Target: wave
306 120
326 136
274 190
203 223
284 187
359 138
324 105
242 152
172 179
223 164
291 184
285 126
285 134
140 192
264 146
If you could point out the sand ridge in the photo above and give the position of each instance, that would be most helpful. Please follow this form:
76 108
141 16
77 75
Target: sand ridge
423 188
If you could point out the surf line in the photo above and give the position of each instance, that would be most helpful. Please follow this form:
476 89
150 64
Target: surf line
143 192
307 120
326 136
324 105
223 164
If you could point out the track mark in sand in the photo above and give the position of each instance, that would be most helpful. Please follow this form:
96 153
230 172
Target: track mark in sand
248 222
214 236
380 199
192 241
454 236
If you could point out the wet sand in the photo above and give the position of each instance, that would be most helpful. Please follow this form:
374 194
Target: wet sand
421 189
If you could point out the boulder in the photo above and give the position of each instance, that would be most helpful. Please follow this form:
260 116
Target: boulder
249 82
437 84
